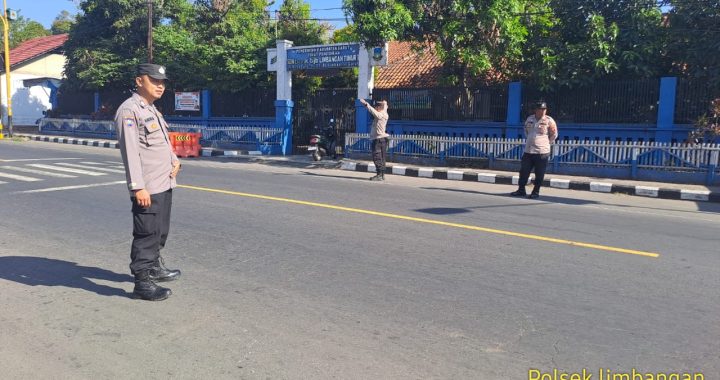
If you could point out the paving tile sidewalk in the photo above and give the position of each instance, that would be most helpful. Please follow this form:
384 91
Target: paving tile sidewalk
604 185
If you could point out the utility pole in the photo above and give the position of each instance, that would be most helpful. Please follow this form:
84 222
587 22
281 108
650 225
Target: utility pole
150 31
6 18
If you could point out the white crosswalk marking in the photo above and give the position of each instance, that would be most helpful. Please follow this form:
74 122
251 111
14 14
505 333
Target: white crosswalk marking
91 167
1 182
19 177
114 165
39 172
71 187
68 170
94 163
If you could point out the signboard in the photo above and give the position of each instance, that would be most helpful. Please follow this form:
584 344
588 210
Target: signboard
187 101
323 57
379 55
272 60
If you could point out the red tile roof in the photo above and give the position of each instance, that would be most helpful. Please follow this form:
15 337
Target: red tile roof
36 47
408 67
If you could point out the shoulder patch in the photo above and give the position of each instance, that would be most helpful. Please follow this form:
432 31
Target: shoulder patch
129 122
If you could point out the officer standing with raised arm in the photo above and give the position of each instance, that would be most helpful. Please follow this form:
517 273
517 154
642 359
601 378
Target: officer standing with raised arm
150 168
379 136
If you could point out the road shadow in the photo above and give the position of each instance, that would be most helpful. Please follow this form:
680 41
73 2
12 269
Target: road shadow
542 199
443 210
702 207
41 271
365 179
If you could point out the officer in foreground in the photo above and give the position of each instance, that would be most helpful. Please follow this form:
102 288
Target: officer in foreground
150 168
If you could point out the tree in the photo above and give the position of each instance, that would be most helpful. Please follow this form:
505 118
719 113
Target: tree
694 39
223 43
62 23
24 29
295 24
107 42
477 41
581 41
379 21
707 127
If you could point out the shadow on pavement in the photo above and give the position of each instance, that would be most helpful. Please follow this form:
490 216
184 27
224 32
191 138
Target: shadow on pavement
443 210
337 176
543 198
36 271
702 207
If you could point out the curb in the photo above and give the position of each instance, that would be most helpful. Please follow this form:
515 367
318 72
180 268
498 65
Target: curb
205 152
212 152
600 187
453 175
72 140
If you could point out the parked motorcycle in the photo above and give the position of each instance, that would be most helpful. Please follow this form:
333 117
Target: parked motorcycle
323 143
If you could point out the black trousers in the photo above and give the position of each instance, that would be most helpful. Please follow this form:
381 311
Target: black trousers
150 230
529 162
379 150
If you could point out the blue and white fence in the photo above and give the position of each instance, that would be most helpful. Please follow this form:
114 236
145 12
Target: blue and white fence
252 134
636 160
261 136
78 127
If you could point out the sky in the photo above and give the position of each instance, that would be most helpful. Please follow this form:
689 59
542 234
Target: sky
45 11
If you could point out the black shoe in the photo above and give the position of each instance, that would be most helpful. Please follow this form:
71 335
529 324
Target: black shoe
146 290
534 195
518 193
159 273
378 177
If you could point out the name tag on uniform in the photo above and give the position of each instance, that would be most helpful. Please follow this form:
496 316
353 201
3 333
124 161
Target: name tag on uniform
151 118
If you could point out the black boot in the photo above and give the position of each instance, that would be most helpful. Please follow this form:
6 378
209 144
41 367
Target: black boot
159 273
380 176
519 193
146 290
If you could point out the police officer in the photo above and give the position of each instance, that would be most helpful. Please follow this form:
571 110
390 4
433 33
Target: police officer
541 132
150 168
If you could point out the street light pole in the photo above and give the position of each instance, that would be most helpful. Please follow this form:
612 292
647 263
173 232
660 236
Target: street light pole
150 31
6 32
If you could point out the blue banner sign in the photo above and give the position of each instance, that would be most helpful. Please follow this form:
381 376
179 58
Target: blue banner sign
323 57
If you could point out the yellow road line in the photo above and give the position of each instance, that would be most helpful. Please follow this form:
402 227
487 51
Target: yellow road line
431 221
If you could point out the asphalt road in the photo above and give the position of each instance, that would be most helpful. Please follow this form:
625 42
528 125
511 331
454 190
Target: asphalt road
310 273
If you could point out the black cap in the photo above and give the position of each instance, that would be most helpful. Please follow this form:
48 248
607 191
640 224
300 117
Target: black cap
151 70
541 105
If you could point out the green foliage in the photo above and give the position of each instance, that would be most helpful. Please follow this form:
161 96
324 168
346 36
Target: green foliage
210 44
694 39
379 21
295 24
707 127
346 34
106 43
24 29
582 41
62 23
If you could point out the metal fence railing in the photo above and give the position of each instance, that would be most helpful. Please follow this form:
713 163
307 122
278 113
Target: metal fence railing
693 99
603 102
258 134
78 127
698 158
440 104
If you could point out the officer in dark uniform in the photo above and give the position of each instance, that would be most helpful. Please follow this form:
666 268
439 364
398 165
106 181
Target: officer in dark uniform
150 168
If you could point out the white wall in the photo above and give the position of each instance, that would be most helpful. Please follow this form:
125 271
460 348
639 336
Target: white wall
29 103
